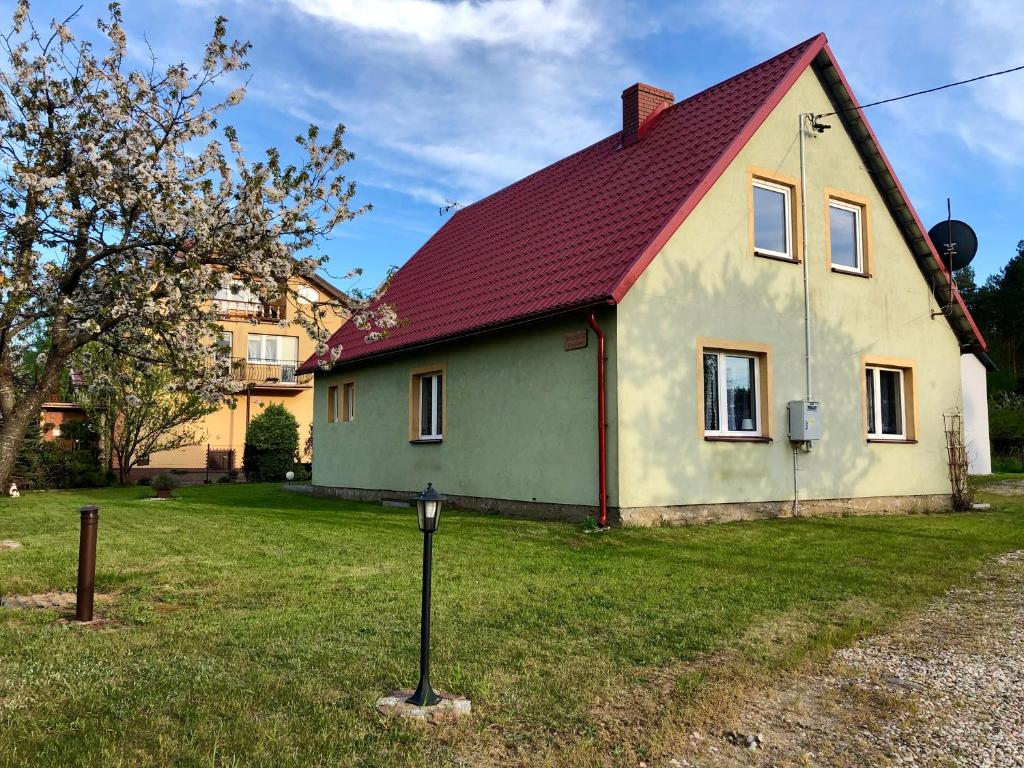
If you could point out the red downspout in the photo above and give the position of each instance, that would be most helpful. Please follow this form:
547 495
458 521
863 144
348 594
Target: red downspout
602 461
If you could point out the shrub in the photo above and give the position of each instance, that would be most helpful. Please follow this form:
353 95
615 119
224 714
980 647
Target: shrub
49 464
271 445
164 482
1006 416
302 472
144 481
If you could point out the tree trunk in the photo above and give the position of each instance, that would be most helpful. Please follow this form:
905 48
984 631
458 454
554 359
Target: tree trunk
17 419
12 432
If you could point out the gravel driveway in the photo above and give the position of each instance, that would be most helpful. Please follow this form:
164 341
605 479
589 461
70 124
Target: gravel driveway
946 688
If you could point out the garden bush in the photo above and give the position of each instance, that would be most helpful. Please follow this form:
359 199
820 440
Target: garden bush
164 481
50 464
1006 429
271 445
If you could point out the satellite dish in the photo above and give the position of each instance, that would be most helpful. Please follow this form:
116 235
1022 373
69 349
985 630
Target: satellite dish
965 242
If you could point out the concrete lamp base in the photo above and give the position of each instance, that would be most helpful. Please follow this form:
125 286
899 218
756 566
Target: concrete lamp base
450 706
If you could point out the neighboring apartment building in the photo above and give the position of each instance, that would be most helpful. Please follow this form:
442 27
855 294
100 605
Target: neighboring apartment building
262 354
631 329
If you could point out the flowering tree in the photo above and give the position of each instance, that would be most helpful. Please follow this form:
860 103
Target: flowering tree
125 204
140 406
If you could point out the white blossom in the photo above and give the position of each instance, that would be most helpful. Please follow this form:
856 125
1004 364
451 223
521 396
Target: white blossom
171 207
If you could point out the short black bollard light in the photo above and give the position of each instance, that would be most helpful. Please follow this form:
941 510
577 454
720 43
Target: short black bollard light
86 563
428 512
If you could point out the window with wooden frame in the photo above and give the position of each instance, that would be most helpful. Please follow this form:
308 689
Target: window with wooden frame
427 405
774 215
889 400
333 405
734 383
848 233
348 401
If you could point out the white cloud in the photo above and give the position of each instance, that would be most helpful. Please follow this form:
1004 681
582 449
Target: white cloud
456 100
886 51
523 23
994 123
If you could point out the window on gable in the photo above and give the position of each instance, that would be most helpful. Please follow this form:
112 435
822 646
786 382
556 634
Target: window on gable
772 204
846 236
886 403
306 294
427 406
732 394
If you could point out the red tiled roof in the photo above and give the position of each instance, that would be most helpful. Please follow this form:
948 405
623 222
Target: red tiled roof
581 231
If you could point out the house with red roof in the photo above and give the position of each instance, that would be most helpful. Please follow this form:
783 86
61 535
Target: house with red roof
726 309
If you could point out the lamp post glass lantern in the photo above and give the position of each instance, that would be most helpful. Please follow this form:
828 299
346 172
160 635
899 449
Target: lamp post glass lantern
428 509
428 514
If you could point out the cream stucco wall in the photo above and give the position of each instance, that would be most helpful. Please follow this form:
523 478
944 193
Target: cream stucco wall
706 282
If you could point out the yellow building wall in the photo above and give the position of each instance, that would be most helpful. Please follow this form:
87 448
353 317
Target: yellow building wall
224 429
706 282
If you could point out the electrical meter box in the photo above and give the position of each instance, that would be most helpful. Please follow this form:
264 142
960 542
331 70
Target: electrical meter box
804 421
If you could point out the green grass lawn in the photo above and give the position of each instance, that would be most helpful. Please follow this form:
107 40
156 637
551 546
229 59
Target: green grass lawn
256 627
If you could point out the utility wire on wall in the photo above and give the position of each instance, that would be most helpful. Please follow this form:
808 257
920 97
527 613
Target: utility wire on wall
928 90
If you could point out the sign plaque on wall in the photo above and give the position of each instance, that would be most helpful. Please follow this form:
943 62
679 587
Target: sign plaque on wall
575 340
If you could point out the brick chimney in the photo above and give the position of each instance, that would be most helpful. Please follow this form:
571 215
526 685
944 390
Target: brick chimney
640 102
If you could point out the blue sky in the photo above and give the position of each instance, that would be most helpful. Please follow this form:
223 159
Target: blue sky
454 100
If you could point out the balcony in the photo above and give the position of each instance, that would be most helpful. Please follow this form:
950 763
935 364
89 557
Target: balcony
268 373
232 309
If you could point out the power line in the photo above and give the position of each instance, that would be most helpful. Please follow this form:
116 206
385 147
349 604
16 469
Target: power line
929 90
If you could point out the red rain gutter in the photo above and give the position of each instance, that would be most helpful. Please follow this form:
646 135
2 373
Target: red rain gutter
602 437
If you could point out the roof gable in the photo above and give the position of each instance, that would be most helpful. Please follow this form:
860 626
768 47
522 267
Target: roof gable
581 231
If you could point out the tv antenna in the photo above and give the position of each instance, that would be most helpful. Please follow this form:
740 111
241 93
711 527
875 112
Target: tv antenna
449 206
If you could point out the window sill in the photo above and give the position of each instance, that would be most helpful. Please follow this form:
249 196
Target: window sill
851 274
427 441
773 257
737 439
898 441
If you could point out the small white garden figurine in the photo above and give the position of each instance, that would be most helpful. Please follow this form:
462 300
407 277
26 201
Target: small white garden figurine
13 491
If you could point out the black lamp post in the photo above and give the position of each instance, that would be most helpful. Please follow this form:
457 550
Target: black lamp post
428 512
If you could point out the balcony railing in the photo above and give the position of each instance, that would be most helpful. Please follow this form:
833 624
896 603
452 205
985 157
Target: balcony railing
249 310
269 373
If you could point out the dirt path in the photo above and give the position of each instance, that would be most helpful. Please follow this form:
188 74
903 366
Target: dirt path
946 688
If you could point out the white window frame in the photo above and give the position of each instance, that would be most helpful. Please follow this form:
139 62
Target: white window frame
876 405
233 291
723 413
333 404
858 229
348 397
787 196
437 381
280 359
307 294
225 350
